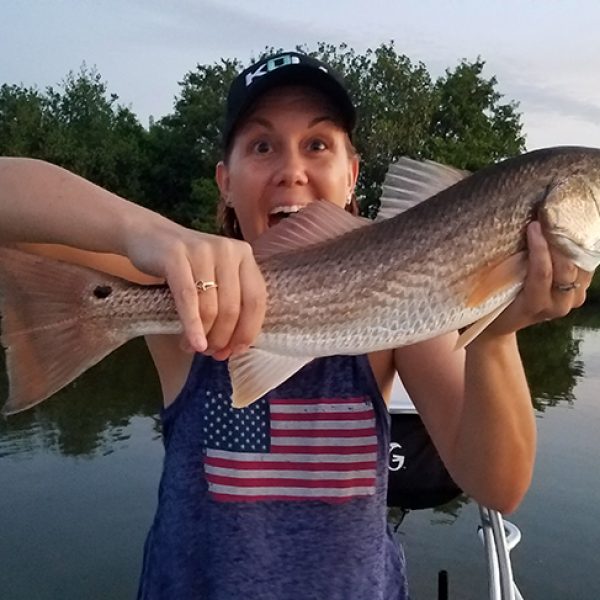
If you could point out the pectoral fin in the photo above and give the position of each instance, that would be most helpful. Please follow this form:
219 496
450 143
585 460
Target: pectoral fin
257 372
507 273
469 334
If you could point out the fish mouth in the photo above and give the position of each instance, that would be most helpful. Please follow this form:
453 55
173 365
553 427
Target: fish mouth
585 255
279 213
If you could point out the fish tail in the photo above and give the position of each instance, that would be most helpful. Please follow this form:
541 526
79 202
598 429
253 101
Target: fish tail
48 340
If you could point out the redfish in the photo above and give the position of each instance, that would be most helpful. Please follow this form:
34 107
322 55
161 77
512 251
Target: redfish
337 284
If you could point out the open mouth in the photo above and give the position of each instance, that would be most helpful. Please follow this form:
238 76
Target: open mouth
280 213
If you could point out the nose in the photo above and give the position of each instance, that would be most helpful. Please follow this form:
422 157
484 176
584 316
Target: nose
291 169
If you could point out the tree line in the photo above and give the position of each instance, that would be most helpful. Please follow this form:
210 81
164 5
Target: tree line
459 118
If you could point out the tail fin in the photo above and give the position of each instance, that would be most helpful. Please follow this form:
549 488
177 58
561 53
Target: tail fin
47 338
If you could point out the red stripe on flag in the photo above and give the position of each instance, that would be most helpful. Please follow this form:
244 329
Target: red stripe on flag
323 449
230 463
292 476
283 482
316 433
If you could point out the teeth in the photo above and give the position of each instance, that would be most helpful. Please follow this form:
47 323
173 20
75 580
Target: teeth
294 208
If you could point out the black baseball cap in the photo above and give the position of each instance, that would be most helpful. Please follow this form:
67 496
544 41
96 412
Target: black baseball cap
281 69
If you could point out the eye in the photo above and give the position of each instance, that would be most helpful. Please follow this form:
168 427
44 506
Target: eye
317 145
261 147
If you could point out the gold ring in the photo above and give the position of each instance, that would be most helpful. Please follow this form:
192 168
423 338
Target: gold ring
203 286
566 287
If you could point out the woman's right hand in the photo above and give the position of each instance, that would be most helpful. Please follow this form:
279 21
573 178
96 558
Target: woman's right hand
219 321
41 203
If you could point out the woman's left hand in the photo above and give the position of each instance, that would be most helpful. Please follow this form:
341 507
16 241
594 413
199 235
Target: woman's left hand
542 298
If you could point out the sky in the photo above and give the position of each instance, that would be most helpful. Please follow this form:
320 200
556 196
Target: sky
545 54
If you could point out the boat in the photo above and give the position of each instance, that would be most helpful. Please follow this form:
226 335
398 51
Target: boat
419 480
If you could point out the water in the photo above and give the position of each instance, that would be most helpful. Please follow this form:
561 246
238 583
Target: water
558 555
79 477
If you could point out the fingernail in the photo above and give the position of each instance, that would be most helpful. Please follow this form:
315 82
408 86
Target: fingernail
200 343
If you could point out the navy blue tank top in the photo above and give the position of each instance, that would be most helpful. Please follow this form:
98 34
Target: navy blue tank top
282 500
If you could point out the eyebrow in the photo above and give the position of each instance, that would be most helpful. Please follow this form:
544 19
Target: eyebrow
318 120
259 121
268 125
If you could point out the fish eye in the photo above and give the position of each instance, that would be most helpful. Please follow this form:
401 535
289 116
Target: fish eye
103 291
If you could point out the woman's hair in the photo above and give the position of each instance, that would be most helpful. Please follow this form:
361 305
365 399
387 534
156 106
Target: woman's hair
226 219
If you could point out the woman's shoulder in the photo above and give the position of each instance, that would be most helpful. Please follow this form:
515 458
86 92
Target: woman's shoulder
382 366
172 363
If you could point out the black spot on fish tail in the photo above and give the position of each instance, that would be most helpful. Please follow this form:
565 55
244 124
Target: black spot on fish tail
103 291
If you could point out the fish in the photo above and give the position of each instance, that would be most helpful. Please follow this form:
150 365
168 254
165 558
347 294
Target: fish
448 252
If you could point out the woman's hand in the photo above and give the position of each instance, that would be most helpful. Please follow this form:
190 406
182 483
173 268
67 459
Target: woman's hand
218 321
541 298
42 203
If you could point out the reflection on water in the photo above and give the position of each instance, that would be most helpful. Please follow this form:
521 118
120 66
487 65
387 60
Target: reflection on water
91 416
550 354
445 514
557 557
79 476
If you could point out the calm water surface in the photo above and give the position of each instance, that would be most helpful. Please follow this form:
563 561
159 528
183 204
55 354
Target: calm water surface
79 477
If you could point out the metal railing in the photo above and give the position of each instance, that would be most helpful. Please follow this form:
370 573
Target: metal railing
499 537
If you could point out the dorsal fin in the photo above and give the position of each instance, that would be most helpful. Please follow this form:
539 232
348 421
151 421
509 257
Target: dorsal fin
318 222
409 182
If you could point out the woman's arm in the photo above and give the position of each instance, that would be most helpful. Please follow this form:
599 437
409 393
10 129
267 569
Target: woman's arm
477 409
43 203
476 402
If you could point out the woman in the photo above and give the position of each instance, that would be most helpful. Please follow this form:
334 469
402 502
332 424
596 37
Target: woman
239 514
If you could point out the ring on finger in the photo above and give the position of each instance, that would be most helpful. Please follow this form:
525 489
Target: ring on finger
203 286
566 287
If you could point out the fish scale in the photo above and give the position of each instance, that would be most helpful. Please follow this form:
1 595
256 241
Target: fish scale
408 272
340 286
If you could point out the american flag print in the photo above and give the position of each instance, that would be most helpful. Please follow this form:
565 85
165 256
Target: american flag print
290 449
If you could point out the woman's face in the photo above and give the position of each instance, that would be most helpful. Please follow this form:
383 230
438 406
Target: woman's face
287 153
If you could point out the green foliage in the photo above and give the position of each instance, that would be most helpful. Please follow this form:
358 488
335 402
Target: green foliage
458 119
203 204
23 121
78 126
184 147
393 102
93 136
469 126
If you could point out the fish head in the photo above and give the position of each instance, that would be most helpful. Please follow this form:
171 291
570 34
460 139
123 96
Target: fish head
570 217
